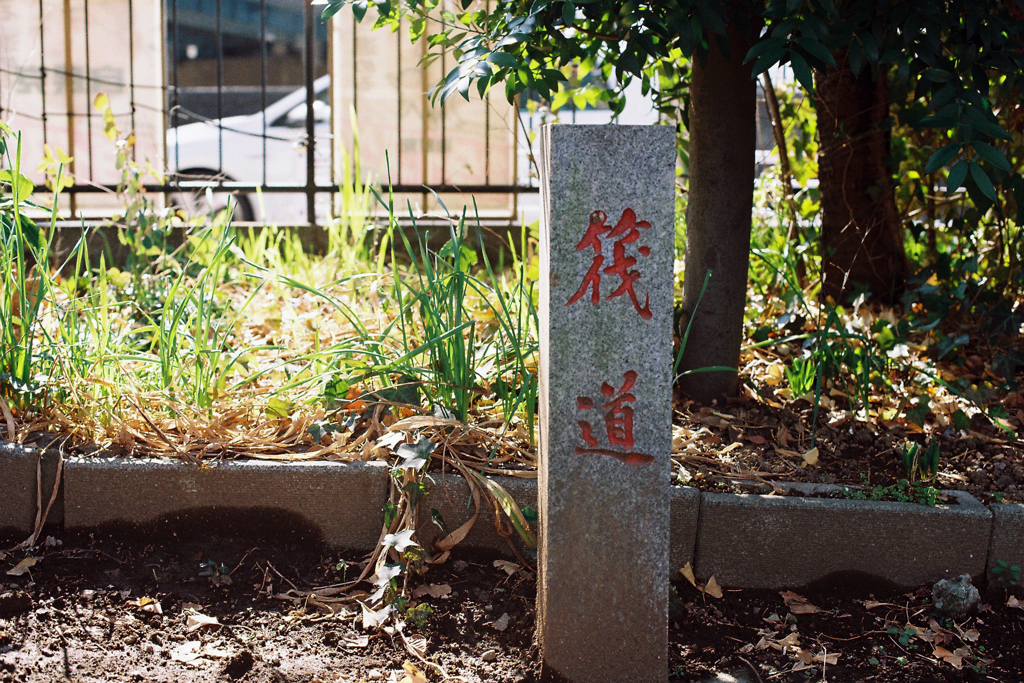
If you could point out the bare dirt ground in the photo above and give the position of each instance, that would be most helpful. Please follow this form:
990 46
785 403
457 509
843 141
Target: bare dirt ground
209 607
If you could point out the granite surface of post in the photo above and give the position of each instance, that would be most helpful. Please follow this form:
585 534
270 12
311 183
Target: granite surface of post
607 235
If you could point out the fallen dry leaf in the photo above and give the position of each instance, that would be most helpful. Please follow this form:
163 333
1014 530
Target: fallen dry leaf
687 571
971 635
712 588
197 620
828 658
372 619
797 604
792 640
810 457
499 624
412 674
509 568
192 651
150 605
1012 602
955 659
434 590
22 567
354 641
418 645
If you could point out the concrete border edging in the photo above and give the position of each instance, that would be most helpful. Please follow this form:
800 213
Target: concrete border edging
1007 542
744 540
19 485
684 508
741 538
449 495
344 501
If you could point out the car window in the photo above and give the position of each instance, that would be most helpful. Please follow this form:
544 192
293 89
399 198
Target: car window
283 122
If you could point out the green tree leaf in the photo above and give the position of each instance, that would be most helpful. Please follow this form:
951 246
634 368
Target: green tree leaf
568 13
332 8
956 177
942 156
982 180
802 70
359 9
992 155
817 49
503 59
764 47
991 129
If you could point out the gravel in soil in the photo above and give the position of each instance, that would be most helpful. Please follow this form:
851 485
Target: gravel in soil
126 608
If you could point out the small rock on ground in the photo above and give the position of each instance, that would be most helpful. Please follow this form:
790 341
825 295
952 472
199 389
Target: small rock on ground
955 597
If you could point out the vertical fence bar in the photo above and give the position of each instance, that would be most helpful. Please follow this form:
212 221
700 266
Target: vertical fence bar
131 68
444 123
164 42
487 123
88 90
515 155
487 138
398 33
334 135
310 67
174 91
263 84
355 70
69 96
425 125
42 70
220 92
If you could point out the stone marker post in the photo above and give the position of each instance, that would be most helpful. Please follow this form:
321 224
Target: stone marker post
607 248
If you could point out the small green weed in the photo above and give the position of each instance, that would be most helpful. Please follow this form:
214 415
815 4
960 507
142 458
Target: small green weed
1005 574
419 615
921 462
901 492
904 636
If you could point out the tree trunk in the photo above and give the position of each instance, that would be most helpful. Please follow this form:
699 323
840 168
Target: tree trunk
723 101
861 233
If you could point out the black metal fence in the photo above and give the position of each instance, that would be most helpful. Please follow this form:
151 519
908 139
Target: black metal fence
225 65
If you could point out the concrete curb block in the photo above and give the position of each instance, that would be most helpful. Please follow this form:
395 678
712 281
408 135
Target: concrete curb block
772 542
684 508
1007 542
19 485
450 496
341 501
745 541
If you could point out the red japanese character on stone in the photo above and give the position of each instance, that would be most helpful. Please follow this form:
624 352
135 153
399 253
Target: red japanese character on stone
626 231
618 417
597 228
618 423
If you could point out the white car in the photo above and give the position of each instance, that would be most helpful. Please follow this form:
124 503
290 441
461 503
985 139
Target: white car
231 150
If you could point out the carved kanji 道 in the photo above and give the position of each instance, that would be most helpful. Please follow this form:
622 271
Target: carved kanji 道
618 423
626 231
